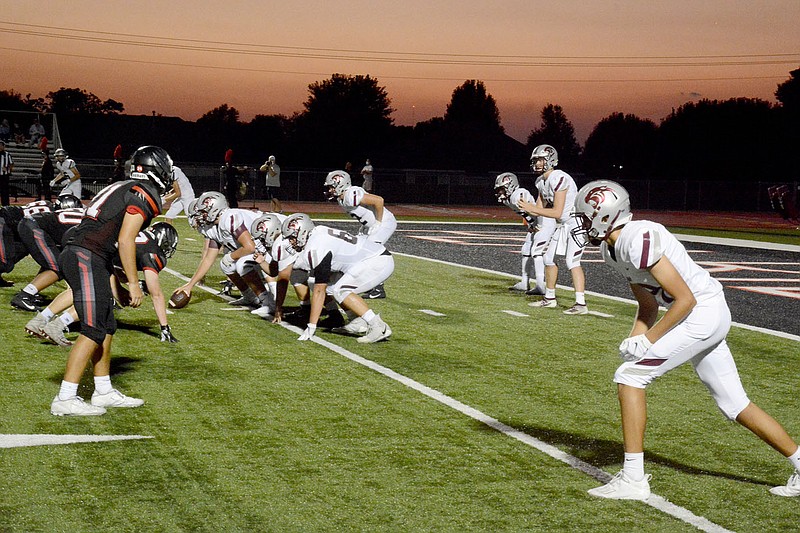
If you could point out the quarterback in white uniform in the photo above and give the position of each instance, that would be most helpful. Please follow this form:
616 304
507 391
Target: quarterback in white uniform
377 222
66 174
229 229
693 329
556 201
342 266
181 195
509 193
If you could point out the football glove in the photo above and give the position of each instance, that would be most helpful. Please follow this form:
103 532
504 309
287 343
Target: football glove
308 333
227 261
166 335
634 349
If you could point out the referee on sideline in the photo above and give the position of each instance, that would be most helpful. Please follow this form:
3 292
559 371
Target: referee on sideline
6 166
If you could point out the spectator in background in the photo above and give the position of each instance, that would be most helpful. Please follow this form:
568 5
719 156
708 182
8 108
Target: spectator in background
47 173
348 167
366 173
35 132
17 134
118 172
273 183
6 167
67 175
233 177
5 130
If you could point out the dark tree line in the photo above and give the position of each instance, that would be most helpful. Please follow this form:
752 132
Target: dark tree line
349 118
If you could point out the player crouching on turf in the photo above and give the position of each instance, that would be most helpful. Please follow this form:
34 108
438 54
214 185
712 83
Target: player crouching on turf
694 329
342 266
377 222
229 228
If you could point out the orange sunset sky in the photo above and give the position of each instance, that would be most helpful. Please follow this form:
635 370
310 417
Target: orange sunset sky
182 58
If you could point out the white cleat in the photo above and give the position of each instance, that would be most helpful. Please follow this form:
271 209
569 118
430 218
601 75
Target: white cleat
357 326
791 489
623 488
54 330
577 309
74 406
545 302
115 399
246 301
35 326
378 331
265 311
519 287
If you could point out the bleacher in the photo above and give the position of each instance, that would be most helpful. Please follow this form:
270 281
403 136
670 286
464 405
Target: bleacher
25 180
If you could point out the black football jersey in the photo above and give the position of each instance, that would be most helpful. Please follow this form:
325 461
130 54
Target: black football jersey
56 223
99 229
148 257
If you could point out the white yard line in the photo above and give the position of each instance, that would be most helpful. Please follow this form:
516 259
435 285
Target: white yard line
655 501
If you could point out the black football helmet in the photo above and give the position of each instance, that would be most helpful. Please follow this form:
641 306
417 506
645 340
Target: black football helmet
67 201
165 236
154 164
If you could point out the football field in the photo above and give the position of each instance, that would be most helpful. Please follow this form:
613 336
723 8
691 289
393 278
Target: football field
480 413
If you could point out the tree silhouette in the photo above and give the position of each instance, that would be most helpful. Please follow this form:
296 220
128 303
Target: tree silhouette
66 101
345 119
557 131
621 146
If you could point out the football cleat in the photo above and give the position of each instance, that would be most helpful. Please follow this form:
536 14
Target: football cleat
24 301
792 487
536 291
265 311
622 487
545 302
74 406
519 287
35 326
577 309
378 331
355 327
246 301
54 330
376 293
115 399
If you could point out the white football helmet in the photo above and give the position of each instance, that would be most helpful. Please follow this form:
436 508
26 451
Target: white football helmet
191 214
60 154
296 229
505 184
543 158
335 184
600 207
210 205
266 228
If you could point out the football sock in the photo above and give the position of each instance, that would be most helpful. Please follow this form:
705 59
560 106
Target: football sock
47 314
66 319
526 268
538 267
102 384
795 459
68 390
633 467
550 294
369 315
273 287
580 298
31 289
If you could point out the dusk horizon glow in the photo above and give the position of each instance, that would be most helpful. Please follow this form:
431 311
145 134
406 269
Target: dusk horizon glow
184 59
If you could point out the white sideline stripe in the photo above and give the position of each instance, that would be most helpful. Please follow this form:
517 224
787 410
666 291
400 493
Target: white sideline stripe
234 309
20 441
772 332
655 501
431 312
513 313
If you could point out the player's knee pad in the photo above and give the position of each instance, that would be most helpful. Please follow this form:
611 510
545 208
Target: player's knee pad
572 260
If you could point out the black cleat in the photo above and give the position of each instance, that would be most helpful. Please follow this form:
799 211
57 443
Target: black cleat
24 301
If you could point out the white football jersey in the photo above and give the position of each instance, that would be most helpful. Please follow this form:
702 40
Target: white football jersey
66 167
557 181
285 255
232 223
187 192
350 202
640 245
513 200
346 250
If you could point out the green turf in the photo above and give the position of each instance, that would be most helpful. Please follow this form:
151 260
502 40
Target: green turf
254 431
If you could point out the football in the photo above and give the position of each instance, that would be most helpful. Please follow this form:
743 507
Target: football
179 300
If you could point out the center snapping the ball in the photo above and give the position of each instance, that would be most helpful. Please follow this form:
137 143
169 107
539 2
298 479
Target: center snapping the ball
179 300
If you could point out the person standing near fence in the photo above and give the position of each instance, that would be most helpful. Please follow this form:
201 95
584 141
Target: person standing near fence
6 167
47 172
273 183
366 173
68 175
